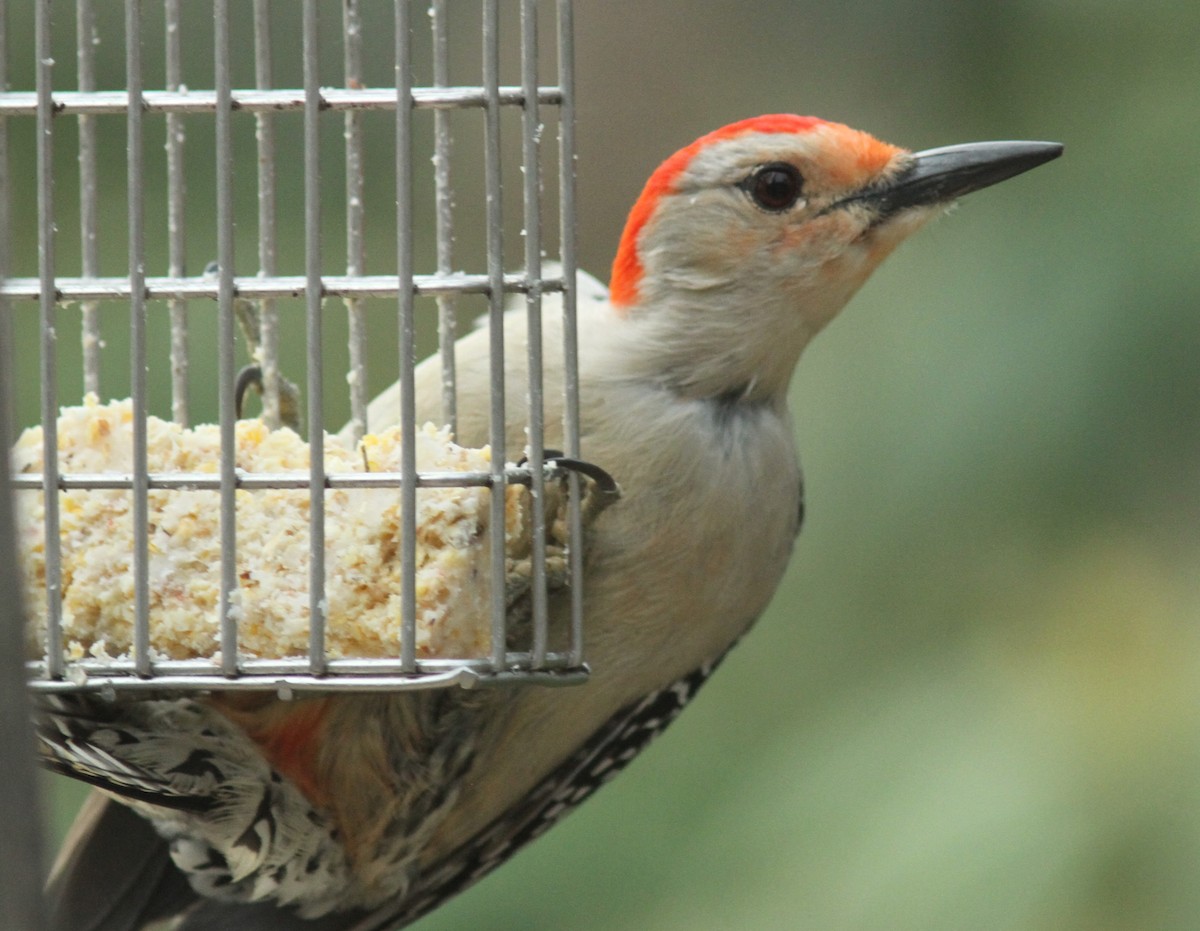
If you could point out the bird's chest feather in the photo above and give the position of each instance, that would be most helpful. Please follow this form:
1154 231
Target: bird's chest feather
705 526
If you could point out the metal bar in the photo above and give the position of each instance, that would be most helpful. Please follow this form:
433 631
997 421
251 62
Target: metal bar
207 481
140 511
495 263
86 40
228 600
313 297
49 352
531 131
264 125
286 666
404 273
256 288
188 669
447 310
391 680
566 222
176 222
71 103
355 213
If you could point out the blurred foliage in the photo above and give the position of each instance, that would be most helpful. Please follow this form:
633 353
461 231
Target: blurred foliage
974 701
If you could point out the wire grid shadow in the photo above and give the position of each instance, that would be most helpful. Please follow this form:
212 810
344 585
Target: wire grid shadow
305 198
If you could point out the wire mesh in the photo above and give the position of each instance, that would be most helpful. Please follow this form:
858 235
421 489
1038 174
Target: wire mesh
245 101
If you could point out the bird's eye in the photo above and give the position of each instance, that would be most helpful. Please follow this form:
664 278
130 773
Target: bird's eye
774 187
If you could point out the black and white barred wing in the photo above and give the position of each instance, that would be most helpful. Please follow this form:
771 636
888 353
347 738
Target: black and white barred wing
622 738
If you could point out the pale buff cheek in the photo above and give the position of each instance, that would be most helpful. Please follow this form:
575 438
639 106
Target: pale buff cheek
839 247
882 241
738 242
900 228
709 245
880 249
821 239
850 269
856 262
722 253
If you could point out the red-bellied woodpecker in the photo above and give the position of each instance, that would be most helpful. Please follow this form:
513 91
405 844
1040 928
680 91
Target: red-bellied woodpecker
366 811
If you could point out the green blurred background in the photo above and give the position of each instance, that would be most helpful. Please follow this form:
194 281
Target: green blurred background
974 702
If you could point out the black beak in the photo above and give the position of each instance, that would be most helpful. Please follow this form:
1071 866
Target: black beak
938 176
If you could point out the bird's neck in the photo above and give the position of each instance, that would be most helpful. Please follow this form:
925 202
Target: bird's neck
727 355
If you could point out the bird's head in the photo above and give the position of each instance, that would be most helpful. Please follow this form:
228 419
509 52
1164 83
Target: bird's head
753 237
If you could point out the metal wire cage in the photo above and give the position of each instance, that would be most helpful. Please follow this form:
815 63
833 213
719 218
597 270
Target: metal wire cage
145 322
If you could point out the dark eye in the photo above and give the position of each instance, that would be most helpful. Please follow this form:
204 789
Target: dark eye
775 187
